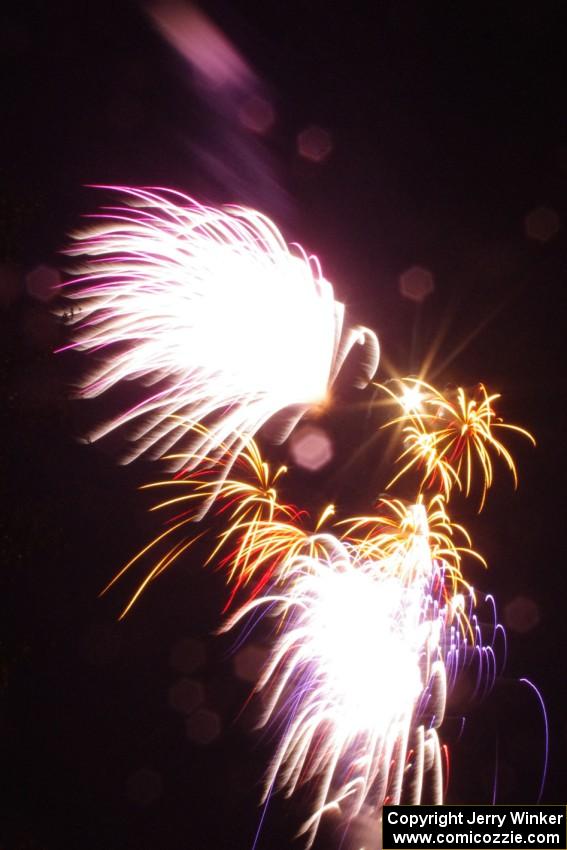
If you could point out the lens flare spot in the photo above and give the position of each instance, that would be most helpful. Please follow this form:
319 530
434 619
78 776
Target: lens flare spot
311 448
416 284
186 695
203 727
541 224
144 786
314 144
43 283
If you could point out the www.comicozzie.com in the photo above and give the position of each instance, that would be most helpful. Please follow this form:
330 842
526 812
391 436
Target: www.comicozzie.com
474 827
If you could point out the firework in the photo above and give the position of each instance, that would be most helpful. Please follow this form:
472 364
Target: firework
447 435
371 630
229 327
225 323
406 533
260 533
366 639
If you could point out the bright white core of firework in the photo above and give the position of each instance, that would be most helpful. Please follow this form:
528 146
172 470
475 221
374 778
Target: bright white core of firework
347 671
365 638
411 399
223 323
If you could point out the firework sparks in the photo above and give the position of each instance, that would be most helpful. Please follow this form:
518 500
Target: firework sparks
211 308
230 327
447 435
366 636
408 533
371 630
261 533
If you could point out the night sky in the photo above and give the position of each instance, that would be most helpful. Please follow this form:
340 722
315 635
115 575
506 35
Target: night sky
415 135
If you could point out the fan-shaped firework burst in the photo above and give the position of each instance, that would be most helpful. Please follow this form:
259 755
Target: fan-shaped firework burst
357 677
212 310
447 435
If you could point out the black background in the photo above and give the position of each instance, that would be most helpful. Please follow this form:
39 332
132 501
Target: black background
448 129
